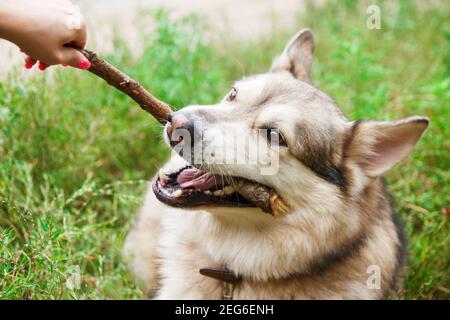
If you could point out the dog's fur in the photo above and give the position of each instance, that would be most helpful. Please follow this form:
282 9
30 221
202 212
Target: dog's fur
342 221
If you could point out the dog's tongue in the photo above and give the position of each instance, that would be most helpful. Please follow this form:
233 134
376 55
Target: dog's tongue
196 179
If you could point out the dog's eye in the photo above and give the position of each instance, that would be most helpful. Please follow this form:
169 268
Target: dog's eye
274 136
232 95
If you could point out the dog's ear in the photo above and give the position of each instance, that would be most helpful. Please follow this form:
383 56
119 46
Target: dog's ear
297 56
377 146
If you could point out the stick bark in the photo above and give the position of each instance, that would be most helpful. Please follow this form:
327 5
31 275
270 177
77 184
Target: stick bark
261 196
129 86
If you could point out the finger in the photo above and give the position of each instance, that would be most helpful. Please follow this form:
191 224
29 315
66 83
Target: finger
42 66
29 62
74 58
80 36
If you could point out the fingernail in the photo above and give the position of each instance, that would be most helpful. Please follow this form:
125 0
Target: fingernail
28 65
65 65
42 66
84 64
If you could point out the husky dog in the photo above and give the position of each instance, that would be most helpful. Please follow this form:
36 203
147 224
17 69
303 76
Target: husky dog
196 238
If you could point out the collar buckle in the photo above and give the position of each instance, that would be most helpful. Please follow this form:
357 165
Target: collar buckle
228 278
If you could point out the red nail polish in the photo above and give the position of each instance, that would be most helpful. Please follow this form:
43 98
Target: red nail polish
84 64
42 67
28 65
65 65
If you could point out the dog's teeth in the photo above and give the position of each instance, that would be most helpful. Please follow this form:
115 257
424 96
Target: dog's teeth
177 193
162 175
207 192
228 190
218 193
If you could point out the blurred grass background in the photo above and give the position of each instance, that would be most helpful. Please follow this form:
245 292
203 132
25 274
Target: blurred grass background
75 154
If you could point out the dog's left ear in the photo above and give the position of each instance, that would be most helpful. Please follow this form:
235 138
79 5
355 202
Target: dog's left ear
297 56
377 146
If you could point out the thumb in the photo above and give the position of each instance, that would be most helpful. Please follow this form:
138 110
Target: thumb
74 58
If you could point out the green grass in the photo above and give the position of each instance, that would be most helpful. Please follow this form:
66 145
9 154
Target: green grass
75 154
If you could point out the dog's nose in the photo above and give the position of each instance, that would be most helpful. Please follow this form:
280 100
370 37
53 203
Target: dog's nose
176 121
180 124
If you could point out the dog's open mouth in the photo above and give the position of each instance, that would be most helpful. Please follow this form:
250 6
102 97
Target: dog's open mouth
191 187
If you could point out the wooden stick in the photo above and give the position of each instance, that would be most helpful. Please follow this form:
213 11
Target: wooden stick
261 196
129 86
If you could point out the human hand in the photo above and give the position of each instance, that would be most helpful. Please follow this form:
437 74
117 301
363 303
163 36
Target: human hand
48 31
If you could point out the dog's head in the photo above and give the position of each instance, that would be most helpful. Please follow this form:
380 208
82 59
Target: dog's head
279 130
